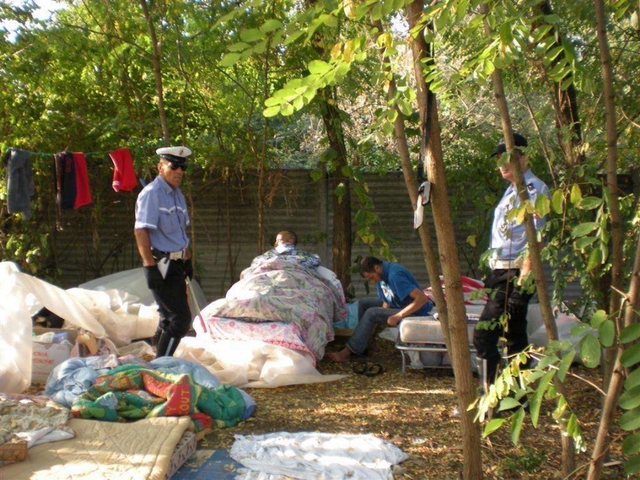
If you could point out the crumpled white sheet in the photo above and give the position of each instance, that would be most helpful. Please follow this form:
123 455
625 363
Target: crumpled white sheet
314 455
43 435
252 363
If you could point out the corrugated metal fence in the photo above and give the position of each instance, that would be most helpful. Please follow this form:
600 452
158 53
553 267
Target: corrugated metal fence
98 240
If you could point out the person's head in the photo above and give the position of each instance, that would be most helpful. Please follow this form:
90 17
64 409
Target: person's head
172 164
371 269
286 236
503 162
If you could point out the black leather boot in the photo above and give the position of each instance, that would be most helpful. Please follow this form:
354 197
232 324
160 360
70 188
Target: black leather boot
166 345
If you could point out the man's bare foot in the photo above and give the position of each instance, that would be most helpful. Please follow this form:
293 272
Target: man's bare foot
341 356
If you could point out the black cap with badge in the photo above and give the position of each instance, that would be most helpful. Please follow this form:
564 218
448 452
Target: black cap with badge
518 139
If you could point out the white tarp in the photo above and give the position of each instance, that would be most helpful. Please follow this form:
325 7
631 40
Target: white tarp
22 296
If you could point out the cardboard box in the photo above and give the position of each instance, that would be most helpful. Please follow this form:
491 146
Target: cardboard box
46 356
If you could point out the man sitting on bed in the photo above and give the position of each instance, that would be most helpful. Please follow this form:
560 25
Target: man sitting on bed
286 246
399 296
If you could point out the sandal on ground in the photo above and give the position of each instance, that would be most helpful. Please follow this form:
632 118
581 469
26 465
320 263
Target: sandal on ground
367 368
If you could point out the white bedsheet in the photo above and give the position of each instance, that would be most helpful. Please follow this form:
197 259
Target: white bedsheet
313 455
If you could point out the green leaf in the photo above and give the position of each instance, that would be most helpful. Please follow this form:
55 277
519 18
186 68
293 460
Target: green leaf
565 364
287 110
630 399
633 379
631 356
516 426
542 205
598 318
230 59
536 400
317 175
238 47
576 194
271 25
572 425
583 229
508 403
553 53
492 426
271 111
607 333
547 360
630 420
590 351
632 466
505 33
579 329
630 333
557 201
292 37
584 242
595 259
318 67
329 20
590 203
631 444
251 35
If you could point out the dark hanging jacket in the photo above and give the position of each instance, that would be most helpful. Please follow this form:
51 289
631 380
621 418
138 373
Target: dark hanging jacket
65 175
19 181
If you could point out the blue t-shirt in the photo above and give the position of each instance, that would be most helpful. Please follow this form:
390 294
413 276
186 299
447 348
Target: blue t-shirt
396 285
163 211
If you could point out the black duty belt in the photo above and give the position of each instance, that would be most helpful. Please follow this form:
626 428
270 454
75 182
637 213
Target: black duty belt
179 255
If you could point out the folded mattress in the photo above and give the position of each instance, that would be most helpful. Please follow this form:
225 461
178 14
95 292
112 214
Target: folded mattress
428 329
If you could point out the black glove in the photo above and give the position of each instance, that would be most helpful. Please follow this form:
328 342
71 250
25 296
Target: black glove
188 268
154 277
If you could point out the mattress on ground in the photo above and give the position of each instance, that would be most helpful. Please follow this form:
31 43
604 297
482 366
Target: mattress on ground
122 451
184 449
428 329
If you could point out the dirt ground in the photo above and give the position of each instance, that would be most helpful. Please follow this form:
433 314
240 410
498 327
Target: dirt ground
418 413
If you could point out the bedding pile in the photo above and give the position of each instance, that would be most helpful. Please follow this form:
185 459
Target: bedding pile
280 301
126 389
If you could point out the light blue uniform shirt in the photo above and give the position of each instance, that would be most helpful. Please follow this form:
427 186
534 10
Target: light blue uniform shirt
163 211
508 238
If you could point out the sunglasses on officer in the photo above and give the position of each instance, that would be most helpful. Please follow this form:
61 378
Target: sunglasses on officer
175 166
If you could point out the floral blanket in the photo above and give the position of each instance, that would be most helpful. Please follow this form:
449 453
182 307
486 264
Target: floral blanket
299 304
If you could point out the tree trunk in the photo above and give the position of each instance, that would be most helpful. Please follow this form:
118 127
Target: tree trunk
157 72
428 252
610 407
568 445
431 150
613 377
612 167
341 239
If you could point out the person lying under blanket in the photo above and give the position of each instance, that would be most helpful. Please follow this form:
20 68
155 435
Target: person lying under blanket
286 246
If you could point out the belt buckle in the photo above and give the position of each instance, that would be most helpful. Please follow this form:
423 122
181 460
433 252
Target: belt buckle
179 255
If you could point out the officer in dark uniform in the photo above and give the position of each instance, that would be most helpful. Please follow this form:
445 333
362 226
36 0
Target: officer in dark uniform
161 235
510 266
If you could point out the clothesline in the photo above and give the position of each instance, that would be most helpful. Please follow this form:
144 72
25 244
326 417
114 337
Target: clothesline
47 154
71 178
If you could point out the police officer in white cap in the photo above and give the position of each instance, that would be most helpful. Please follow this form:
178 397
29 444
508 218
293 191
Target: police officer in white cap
161 235
510 266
